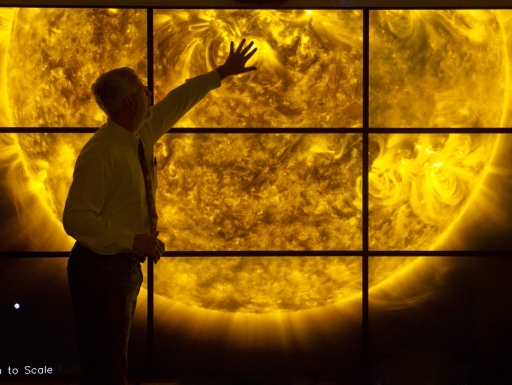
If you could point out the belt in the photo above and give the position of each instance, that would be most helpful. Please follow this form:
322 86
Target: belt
134 257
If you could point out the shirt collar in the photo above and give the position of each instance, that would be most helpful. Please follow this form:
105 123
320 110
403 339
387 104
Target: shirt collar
122 134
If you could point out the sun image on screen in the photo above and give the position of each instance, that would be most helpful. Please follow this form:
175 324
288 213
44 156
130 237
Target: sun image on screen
309 66
266 191
260 285
419 184
442 68
260 191
55 54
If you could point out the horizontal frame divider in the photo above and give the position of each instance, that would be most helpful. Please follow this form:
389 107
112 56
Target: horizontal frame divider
287 253
92 130
94 4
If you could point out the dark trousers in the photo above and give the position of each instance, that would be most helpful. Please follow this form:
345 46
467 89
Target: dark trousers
104 291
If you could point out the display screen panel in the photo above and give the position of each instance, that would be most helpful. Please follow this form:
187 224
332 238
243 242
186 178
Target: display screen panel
260 191
424 187
309 66
36 172
440 68
270 315
36 326
37 330
51 56
447 313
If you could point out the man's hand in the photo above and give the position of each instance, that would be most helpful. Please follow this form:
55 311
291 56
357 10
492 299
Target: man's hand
235 63
149 245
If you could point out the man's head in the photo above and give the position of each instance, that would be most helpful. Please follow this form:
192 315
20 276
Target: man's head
120 92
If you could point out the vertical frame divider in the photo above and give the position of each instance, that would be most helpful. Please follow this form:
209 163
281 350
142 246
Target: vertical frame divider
150 266
366 97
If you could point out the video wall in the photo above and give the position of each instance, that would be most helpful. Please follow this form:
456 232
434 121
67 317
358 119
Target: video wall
340 151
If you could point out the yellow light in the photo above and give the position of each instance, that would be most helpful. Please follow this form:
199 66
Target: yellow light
421 183
259 285
309 69
435 66
43 91
272 191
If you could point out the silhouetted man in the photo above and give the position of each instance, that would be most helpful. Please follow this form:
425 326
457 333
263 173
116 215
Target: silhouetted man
110 209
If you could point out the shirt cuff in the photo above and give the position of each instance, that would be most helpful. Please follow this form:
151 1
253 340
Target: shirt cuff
215 78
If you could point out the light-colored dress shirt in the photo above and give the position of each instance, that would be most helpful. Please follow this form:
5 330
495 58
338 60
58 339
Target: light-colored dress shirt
107 204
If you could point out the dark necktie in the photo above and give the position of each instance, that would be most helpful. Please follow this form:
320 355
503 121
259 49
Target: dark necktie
149 189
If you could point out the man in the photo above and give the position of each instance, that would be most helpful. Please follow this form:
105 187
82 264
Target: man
110 209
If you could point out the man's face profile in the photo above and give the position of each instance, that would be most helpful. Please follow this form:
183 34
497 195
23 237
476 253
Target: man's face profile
143 101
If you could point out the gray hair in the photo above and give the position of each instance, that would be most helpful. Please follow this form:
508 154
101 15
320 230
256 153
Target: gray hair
111 88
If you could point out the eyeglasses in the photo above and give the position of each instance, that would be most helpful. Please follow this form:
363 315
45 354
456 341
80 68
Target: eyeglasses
145 90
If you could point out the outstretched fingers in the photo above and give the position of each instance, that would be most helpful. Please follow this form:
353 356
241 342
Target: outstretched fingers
237 59
249 55
240 46
246 49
